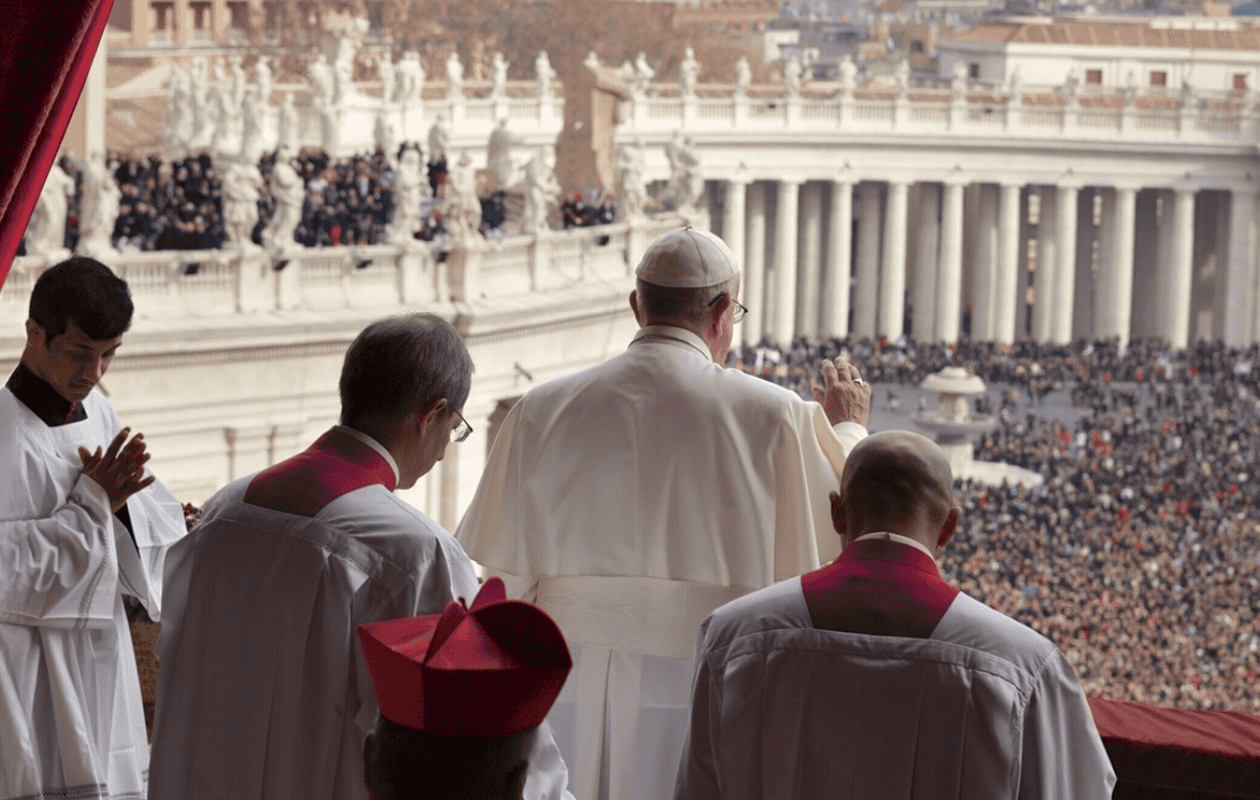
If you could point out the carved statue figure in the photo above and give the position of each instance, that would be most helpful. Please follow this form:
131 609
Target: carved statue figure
439 138
499 155
264 79
177 120
498 75
385 136
203 125
792 77
544 74
410 78
288 124
252 125
848 74
686 181
236 74
463 209
1070 86
225 114
643 73
631 193
743 75
1130 88
385 71
343 65
408 198
688 73
321 78
541 190
454 77
591 61
958 80
902 75
288 191
46 233
242 183
101 196
1014 87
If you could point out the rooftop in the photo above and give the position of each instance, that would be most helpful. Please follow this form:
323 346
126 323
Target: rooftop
1111 33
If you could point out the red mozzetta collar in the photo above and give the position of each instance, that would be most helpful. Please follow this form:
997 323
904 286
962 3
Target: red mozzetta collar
335 465
878 587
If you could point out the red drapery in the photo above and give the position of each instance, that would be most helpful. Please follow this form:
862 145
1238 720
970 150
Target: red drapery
46 50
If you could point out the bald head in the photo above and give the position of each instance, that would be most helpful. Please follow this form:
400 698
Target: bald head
896 482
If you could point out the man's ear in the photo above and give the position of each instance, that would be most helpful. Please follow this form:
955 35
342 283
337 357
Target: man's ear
34 334
839 520
948 527
429 415
634 306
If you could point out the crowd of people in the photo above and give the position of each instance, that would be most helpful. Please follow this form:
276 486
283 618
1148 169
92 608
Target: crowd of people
1135 555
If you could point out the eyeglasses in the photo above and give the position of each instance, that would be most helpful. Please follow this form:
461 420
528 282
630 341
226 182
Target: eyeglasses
461 431
738 315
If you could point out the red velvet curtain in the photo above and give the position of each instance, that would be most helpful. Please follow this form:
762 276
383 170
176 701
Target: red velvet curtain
46 50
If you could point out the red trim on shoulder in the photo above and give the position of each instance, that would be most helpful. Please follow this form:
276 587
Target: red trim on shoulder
334 466
878 587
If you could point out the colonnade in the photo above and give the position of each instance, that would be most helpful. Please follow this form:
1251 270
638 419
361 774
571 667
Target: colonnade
1001 261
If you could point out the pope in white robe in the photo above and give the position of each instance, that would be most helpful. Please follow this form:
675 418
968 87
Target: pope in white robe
71 717
631 499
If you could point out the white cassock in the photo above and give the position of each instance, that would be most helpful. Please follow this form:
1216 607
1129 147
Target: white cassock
986 708
631 499
264 694
71 717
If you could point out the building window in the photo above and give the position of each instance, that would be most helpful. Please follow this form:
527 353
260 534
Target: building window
162 19
273 16
916 47
1093 76
973 71
1240 82
202 23
238 16
1159 78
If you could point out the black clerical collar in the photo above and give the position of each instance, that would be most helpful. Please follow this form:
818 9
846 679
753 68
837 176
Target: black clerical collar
41 398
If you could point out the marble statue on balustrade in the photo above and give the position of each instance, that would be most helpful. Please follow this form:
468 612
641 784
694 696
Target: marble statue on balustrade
848 74
226 114
242 186
630 189
344 90
688 73
901 76
462 208
264 79
46 233
288 191
289 124
544 76
178 116
236 74
643 73
454 77
1071 85
499 155
385 73
411 79
409 183
498 76
792 77
591 61
541 191
203 126
253 125
320 75
1014 87
743 76
686 179
958 80
439 138
99 210
385 136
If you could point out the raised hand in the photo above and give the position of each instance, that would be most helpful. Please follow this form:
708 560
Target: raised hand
120 469
845 397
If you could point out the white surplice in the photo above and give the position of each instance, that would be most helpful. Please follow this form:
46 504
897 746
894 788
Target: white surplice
631 499
71 717
281 709
986 708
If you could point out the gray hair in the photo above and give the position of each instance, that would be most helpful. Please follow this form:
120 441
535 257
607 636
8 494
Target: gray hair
670 304
402 364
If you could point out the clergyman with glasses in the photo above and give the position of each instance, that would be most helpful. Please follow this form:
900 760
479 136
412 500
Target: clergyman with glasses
263 691
631 499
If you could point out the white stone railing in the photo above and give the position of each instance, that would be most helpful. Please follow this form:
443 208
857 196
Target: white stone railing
179 284
1030 111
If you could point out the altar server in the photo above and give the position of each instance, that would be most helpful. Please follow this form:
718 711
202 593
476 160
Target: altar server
872 677
631 499
82 524
462 696
263 693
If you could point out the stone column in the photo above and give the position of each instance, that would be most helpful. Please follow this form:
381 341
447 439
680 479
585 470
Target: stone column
1146 240
984 282
923 290
1113 300
835 292
1023 312
949 280
869 224
1007 289
754 288
785 222
892 284
733 213
1175 301
1047 260
1065 266
810 279
1083 295
1241 275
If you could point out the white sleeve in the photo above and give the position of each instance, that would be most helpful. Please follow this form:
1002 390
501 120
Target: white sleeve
61 571
697 767
548 777
850 433
1063 755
